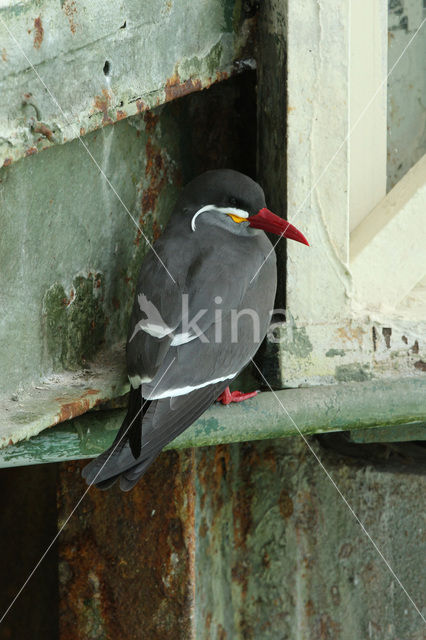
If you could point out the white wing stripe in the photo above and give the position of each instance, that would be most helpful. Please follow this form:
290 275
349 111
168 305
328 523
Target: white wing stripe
172 393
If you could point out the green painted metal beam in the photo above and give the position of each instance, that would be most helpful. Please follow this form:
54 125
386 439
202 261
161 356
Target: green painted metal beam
397 433
343 407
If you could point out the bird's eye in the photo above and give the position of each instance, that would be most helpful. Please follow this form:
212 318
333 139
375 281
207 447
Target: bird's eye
233 201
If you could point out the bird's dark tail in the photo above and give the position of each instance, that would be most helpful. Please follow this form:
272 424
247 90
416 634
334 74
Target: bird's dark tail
146 429
107 468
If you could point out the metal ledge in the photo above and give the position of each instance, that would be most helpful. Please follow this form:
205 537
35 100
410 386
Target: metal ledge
348 406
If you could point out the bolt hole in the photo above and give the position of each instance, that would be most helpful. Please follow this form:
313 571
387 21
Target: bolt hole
107 68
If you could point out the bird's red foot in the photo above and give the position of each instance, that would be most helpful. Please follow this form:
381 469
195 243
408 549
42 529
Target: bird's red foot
235 396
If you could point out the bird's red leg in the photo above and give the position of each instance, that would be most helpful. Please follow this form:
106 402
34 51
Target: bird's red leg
227 396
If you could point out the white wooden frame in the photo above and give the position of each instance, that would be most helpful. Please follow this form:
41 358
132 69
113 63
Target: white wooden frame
343 319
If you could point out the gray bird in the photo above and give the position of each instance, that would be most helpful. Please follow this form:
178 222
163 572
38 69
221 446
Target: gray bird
203 304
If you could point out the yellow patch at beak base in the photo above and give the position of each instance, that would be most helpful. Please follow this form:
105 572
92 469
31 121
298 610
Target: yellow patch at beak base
236 218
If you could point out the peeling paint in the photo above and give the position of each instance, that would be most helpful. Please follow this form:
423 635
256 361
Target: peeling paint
102 104
40 127
332 353
70 9
38 33
175 88
355 372
297 342
421 365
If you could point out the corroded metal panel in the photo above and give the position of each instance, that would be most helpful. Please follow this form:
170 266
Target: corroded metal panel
103 62
70 250
279 555
126 561
70 253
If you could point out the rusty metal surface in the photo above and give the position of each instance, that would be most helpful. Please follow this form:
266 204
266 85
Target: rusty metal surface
280 556
105 62
126 561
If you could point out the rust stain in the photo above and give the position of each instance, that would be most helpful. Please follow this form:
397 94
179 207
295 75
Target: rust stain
174 88
221 633
329 628
221 75
107 568
374 334
120 115
82 131
154 168
415 348
269 459
70 10
44 130
156 230
151 120
347 333
67 301
72 409
243 499
155 172
38 33
102 103
7 162
31 151
387 333
420 365
115 303
286 504
76 407
141 106
309 608
4 55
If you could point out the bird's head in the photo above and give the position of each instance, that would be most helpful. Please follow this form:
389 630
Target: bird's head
232 200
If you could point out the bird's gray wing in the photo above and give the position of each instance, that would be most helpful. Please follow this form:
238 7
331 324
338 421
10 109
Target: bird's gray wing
163 421
155 315
232 331
207 276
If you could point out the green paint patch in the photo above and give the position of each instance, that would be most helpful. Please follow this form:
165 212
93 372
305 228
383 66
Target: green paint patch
355 372
213 58
228 14
74 324
332 353
296 341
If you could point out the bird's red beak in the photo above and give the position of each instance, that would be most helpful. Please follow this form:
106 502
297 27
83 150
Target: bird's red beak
268 221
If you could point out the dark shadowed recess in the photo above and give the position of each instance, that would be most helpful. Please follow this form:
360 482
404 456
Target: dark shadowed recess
217 127
27 526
